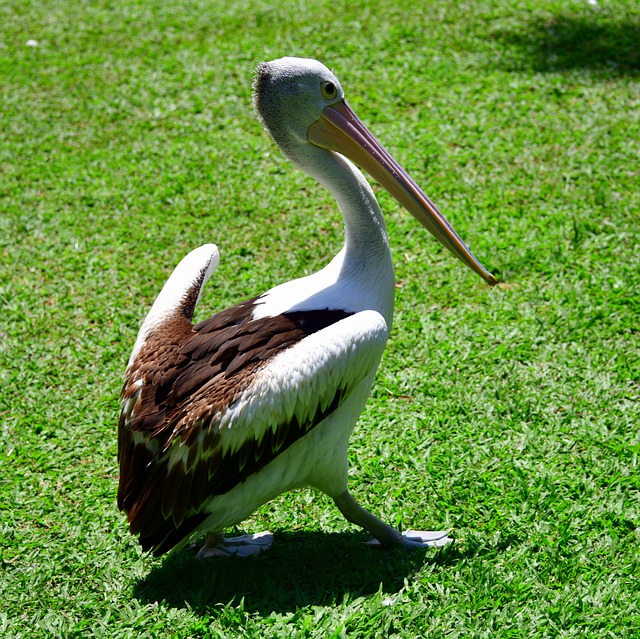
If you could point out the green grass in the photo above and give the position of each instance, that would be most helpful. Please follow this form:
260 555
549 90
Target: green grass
509 416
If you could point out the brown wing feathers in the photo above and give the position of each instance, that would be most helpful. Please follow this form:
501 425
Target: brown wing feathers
187 378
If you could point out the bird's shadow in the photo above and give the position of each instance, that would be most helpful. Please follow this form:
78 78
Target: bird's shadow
302 569
593 41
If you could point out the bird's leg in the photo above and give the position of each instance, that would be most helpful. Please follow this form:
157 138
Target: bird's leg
356 514
217 545
384 534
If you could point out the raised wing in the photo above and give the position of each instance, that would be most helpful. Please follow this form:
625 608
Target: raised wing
209 406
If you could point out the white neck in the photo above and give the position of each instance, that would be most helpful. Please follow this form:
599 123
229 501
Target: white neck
361 276
366 239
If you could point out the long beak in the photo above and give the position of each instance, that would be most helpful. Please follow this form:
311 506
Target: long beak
339 129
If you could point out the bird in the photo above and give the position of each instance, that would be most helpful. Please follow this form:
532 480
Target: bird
222 416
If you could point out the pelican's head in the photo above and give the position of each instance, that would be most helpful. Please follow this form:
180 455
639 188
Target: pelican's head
290 94
302 103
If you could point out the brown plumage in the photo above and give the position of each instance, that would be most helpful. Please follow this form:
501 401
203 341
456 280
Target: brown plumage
182 380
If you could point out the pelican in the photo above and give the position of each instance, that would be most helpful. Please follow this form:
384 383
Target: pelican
222 416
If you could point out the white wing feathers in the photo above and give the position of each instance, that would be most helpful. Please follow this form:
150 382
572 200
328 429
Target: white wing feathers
304 379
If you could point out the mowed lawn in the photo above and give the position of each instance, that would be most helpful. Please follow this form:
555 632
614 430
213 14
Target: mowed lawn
508 416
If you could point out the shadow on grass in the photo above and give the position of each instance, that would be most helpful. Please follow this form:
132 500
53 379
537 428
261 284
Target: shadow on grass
597 42
302 569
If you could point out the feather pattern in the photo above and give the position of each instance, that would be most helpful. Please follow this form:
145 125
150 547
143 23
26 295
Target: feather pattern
206 406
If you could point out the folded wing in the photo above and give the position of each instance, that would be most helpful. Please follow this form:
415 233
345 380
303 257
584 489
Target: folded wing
206 406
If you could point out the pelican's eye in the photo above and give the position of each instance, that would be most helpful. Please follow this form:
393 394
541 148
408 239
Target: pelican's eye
329 91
